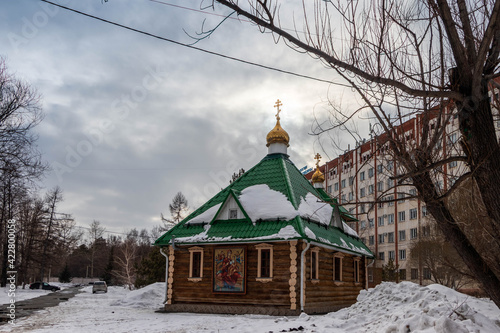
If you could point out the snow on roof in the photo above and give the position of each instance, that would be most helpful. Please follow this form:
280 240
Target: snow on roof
348 230
206 216
284 233
261 202
310 207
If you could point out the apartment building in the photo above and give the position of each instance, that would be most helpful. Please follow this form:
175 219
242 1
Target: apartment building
390 217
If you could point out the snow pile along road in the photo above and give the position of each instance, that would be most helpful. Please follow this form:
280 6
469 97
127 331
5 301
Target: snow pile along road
408 307
151 296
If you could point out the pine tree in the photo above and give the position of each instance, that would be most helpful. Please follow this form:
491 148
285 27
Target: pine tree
389 271
65 275
151 269
178 209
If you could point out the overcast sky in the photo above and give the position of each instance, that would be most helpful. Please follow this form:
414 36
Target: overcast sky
130 120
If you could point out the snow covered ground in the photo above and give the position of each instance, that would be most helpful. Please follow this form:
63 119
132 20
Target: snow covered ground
27 293
390 307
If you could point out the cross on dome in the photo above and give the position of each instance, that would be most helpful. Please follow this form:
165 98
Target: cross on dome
317 158
277 105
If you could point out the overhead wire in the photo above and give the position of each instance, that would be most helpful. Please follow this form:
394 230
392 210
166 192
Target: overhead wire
196 48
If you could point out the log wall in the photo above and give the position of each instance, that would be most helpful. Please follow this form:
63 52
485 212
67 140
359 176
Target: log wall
281 296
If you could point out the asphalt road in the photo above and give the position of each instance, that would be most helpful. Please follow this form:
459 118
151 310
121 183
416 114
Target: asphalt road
27 307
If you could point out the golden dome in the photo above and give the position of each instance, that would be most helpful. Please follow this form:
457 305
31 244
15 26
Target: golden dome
278 134
318 176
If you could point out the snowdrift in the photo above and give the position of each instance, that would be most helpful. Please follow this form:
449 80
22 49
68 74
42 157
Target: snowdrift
151 296
408 307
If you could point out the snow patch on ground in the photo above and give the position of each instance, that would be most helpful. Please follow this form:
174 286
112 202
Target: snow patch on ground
387 308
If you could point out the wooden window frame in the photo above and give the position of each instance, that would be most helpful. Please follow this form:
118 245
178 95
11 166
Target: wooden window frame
259 248
356 270
315 263
192 250
341 257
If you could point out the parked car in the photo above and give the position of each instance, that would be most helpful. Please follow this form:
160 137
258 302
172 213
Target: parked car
45 286
99 286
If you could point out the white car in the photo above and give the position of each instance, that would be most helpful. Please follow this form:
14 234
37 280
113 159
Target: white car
99 286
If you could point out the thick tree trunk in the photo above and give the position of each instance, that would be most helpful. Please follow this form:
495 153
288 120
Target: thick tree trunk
453 234
482 148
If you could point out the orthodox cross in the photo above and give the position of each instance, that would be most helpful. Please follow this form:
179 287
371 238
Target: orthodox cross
277 105
317 157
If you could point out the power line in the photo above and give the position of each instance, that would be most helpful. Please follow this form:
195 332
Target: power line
194 47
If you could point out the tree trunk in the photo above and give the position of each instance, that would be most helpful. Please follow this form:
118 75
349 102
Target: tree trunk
453 234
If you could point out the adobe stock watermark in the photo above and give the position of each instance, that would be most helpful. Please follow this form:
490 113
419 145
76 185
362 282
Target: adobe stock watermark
11 271
120 111
31 26
220 179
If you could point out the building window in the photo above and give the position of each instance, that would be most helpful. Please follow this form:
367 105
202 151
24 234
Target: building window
329 188
381 255
371 189
233 214
356 269
413 214
362 192
195 264
402 235
389 166
390 219
370 173
402 274
390 200
363 240
363 224
343 198
390 183
427 273
351 196
413 192
380 186
402 254
414 273
362 207
413 233
424 210
336 187
390 237
343 183
370 223
371 240
453 164
381 239
391 255
351 181
426 230
380 168
401 197
315 263
402 216
337 266
362 175
264 262
381 204
380 221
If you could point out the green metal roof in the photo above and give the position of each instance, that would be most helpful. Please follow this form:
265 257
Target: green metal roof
281 175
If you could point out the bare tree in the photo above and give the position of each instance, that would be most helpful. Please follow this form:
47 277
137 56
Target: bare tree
126 262
95 233
433 58
20 161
